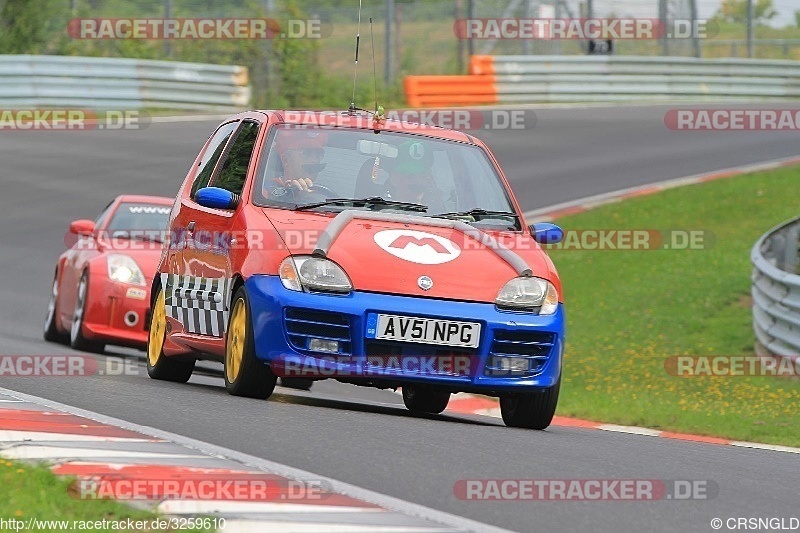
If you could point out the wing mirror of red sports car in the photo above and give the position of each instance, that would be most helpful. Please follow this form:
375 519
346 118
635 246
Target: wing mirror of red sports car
546 233
216 198
81 227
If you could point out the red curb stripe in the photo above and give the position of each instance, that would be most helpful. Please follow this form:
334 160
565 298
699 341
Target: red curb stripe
564 421
20 420
22 414
694 438
720 176
566 211
642 192
93 430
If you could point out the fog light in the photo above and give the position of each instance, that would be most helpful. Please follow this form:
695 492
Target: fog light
323 345
512 364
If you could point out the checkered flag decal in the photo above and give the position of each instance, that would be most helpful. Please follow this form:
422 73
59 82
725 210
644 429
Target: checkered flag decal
200 304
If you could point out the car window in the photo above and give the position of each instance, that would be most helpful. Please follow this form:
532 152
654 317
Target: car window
233 169
216 146
101 218
139 216
446 176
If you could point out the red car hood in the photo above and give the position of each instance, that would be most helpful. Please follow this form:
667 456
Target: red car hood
390 257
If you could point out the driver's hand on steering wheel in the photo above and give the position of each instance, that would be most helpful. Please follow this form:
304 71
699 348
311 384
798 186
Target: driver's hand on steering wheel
302 184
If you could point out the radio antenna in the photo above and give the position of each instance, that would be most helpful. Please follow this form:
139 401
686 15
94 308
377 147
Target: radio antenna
374 68
355 67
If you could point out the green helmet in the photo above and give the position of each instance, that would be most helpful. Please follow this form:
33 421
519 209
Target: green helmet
414 157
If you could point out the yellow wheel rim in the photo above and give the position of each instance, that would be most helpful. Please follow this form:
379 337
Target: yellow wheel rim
158 328
234 348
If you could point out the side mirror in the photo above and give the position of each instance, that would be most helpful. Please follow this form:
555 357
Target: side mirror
546 233
81 227
216 198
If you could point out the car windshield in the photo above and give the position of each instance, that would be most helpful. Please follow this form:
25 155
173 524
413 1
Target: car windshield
139 219
391 171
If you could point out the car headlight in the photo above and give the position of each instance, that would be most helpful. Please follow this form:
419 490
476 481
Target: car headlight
527 294
124 269
313 274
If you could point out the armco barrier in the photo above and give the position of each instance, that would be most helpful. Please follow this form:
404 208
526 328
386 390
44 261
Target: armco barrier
28 81
776 291
554 79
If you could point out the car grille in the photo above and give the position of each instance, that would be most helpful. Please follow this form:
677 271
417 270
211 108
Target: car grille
532 345
304 324
441 360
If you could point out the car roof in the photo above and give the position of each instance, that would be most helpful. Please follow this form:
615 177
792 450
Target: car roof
363 120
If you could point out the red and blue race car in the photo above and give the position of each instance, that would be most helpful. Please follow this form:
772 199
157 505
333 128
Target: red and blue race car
100 292
318 245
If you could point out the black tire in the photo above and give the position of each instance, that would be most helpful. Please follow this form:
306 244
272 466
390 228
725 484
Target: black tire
297 383
51 332
530 411
76 338
425 400
245 375
159 365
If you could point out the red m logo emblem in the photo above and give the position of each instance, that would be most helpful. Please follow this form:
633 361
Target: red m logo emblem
405 240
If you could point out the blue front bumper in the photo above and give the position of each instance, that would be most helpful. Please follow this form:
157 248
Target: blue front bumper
284 321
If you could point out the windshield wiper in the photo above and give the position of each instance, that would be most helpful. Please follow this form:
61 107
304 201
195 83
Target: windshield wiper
478 213
372 200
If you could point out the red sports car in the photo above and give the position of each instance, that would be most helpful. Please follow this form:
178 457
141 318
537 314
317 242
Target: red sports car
101 286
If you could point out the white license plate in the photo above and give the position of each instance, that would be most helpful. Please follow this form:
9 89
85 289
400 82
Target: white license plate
427 331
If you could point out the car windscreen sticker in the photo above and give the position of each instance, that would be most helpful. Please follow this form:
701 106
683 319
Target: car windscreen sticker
417 246
148 209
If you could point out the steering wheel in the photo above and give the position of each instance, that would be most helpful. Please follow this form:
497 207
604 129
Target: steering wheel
328 192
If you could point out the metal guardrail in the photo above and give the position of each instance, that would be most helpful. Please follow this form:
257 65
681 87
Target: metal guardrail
606 78
28 81
776 290
544 79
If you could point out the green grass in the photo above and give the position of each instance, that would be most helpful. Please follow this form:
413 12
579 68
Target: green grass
28 491
627 311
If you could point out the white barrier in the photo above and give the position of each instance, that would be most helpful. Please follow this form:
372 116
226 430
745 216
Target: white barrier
28 81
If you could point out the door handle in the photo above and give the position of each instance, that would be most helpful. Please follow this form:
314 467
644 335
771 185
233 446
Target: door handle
190 227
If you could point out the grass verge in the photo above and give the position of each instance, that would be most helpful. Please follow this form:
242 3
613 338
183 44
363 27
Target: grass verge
38 498
628 311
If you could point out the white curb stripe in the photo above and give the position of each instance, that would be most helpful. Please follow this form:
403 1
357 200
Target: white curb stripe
771 447
195 507
633 430
58 452
248 526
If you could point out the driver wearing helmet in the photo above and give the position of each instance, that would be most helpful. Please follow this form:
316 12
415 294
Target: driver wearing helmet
300 153
411 179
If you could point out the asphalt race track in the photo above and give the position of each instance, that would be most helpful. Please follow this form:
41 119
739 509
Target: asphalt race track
362 436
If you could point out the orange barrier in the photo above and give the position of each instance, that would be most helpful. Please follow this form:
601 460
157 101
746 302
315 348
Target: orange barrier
423 91
481 65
